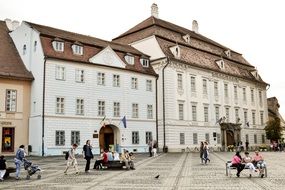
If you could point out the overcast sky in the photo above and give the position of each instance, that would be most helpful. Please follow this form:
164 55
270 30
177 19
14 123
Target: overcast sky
255 28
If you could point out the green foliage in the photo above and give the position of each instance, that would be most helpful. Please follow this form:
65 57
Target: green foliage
273 129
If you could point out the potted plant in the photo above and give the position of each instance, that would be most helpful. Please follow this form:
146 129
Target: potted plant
263 147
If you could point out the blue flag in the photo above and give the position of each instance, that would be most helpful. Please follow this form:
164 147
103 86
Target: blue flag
124 120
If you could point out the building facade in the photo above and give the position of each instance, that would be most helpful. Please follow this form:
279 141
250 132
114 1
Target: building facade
206 91
15 84
86 89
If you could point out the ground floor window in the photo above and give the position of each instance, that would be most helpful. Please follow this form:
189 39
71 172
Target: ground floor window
8 139
195 138
263 138
207 137
135 137
59 138
148 136
75 137
255 138
218 138
182 138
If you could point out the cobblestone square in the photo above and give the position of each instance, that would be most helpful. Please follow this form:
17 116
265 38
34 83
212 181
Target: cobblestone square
181 171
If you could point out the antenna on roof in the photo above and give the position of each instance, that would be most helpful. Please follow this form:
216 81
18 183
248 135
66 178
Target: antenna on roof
154 10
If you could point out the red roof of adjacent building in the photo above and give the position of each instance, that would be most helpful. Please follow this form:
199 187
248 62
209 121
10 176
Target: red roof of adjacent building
11 64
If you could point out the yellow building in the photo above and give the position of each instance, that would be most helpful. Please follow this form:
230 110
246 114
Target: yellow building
15 84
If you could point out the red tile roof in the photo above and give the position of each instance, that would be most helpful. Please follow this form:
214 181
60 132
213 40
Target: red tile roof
91 45
201 52
11 64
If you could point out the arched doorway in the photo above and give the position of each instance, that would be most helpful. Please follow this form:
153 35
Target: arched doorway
109 137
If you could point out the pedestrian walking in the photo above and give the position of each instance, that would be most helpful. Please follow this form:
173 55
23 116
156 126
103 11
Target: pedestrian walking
206 152
150 147
20 156
71 161
202 152
2 167
154 149
88 155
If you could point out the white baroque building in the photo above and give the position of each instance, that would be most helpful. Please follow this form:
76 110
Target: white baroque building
206 91
83 88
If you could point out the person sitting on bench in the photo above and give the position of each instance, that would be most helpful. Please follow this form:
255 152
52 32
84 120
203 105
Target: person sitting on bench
236 162
258 161
247 160
127 159
102 160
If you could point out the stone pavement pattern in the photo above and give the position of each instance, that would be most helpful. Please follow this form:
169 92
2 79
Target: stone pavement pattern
178 171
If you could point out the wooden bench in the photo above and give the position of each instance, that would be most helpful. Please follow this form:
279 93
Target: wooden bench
229 168
8 171
116 164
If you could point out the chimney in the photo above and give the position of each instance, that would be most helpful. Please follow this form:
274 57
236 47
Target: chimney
195 27
15 24
154 10
9 24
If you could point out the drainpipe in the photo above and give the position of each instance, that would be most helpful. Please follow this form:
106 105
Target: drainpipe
163 105
43 109
156 109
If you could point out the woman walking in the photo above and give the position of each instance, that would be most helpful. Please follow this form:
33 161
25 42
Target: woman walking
206 152
88 155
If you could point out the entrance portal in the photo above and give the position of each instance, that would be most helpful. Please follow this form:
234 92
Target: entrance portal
8 139
106 137
230 138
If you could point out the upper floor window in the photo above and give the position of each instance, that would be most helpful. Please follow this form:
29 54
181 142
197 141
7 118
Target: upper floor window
237 115
217 113
149 112
193 84
227 114
116 109
194 113
244 94
205 91
135 110
145 62
216 89
101 78
58 46
260 97
11 100
179 81
245 116
235 92
35 45
206 114
261 118
180 111
253 118
116 80
59 105
80 106
130 59
226 90
134 83
101 108
148 85
252 95
60 72
77 49
79 75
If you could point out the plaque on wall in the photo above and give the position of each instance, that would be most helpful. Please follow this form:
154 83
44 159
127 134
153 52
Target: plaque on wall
95 136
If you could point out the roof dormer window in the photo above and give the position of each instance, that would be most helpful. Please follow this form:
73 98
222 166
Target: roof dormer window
58 45
77 49
187 38
175 50
228 53
255 74
130 59
221 64
145 62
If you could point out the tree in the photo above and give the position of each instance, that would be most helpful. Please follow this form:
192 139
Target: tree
273 129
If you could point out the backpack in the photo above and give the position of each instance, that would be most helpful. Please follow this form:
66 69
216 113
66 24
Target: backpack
66 155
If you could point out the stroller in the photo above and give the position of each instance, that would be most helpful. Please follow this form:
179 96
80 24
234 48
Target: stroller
32 169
